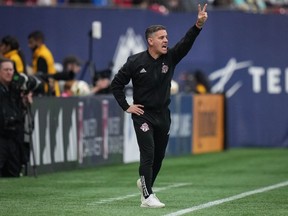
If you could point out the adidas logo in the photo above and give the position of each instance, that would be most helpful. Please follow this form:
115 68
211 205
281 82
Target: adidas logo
143 70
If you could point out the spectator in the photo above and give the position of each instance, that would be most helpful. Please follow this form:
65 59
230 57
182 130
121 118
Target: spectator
202 83
196 82
192 5
10 49
18 2
72 64
277 6
222 3
144 4
250 5
46 2
101 82
67 89
71 68
151 5
123 3
174 5
101 2
43 62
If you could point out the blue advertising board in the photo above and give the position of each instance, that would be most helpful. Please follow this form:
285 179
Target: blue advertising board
54 138
100 131
75 132
181 131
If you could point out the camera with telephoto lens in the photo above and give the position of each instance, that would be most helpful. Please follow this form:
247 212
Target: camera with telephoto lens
21 83
25 83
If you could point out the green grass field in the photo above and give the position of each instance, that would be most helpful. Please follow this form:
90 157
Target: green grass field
192 182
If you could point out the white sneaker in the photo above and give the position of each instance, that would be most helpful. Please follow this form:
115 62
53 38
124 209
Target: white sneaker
139 185
152 202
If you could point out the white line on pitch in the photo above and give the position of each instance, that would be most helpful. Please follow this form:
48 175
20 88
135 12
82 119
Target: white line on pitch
137 194
232 198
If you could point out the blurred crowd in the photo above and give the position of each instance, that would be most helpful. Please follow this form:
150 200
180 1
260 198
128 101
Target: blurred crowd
54 79
164 6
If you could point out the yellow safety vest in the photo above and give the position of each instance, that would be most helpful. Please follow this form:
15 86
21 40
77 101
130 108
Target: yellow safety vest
45 53
15 57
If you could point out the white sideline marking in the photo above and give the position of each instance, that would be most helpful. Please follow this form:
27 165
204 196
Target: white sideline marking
137 194
232 198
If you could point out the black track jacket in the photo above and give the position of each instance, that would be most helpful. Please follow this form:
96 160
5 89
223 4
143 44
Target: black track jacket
151 78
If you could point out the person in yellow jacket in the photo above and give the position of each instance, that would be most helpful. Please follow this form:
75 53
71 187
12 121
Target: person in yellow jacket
202 85
43 62
10 49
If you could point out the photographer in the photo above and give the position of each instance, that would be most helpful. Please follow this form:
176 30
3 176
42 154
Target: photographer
12 113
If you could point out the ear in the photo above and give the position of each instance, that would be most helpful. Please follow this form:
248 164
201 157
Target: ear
150 41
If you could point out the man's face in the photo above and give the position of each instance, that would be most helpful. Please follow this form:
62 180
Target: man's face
32 43
6 72
159 42
75 68
2 48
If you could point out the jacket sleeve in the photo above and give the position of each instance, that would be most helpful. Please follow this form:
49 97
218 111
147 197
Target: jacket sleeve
185 44
121 79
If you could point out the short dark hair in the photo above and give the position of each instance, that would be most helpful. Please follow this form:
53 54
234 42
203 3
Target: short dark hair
71 60
37 35
2 60
152 29
11 41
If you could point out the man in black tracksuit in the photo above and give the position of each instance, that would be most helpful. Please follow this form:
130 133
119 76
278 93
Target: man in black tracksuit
151 72
11 122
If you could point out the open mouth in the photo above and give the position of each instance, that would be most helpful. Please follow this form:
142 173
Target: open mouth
164 47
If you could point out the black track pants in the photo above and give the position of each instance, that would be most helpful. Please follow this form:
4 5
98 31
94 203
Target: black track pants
152 132
10 163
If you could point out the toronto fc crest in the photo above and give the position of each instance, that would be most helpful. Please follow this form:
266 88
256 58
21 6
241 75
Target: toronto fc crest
165 68
144 127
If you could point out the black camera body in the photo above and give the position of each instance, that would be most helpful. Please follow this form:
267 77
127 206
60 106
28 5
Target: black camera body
12 109
25 83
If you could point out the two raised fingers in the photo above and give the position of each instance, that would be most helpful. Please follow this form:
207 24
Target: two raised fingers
200 9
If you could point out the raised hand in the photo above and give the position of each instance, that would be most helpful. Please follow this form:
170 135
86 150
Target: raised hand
202 16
